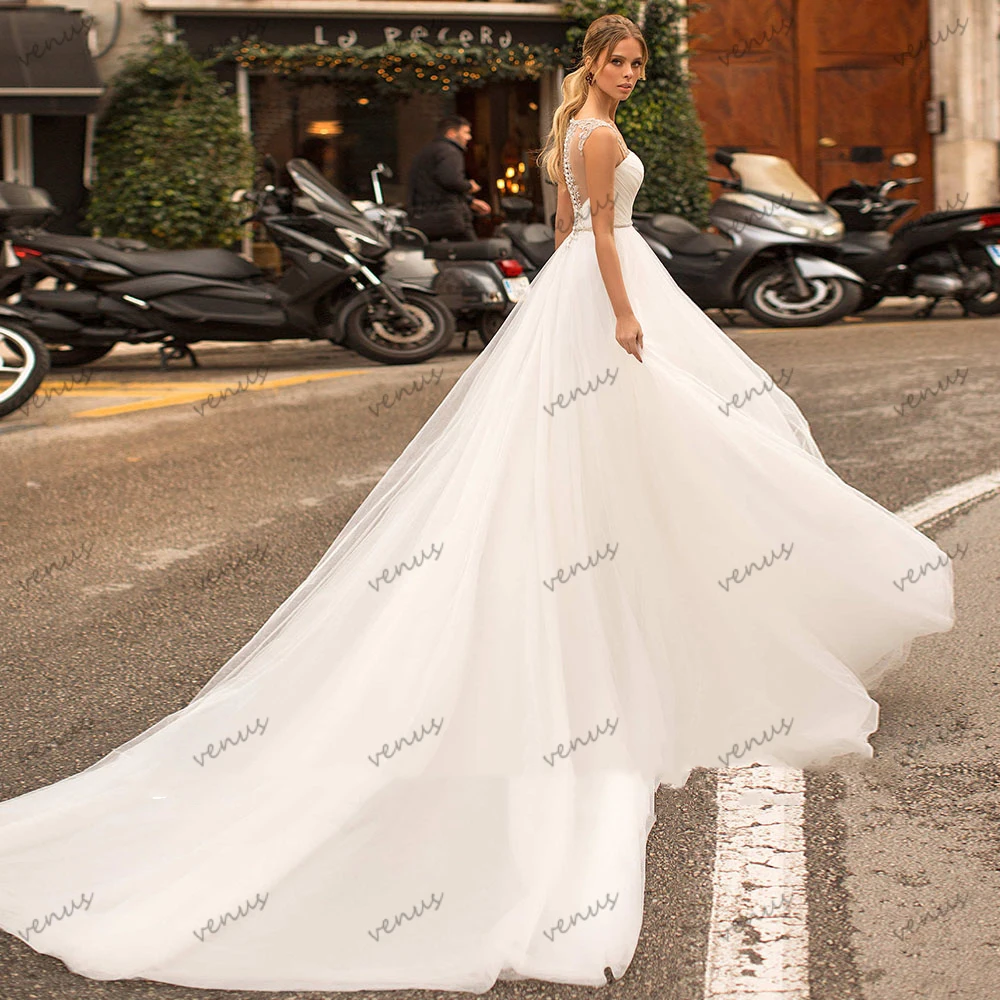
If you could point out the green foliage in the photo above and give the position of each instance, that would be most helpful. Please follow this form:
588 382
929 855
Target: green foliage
659 120
397 68
170 151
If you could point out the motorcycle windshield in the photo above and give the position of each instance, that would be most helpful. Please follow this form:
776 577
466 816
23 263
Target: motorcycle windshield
773 176
328 199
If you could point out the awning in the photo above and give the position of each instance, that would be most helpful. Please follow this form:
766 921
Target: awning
208 23
45 65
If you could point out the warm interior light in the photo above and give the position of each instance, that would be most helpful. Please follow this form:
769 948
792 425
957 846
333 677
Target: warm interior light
509 172
520 168
533 106
325 128
362 100
515 187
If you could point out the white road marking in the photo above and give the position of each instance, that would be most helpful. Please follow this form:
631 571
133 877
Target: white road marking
760 881
951 498
758 942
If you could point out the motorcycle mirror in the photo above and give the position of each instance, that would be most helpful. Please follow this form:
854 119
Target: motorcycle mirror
238 195
384 170
904 159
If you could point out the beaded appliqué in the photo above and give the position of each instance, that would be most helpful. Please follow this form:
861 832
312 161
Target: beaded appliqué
587 125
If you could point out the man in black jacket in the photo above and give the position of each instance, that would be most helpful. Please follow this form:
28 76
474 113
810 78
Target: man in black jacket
441 202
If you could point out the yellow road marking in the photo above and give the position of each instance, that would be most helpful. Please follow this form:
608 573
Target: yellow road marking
186 392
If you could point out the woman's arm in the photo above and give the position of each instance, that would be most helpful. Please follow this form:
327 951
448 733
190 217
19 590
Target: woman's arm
564 214
601 153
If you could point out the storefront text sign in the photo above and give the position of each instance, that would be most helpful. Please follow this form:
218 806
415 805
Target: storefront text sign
418 33
202 32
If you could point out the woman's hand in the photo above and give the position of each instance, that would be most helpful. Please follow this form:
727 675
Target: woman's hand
628 333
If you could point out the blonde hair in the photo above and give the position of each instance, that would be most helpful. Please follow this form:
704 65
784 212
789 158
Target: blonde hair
603 34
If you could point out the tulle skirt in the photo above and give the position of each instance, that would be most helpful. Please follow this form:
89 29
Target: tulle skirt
435 763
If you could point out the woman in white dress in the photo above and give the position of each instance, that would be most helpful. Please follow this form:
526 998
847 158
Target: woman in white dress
612 553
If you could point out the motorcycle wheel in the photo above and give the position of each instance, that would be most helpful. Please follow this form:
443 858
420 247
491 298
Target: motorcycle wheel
24 355
65 355
771 299
369 330
869 300
489 324
986 303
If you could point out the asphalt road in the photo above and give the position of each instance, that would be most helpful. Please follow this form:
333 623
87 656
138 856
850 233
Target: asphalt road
144 542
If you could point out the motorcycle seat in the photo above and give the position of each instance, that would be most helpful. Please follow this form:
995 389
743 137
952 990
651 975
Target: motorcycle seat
491 249
879 240
680 236
535 240
942 216
208 263
537 232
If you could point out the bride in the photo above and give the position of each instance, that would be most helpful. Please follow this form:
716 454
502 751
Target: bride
614 553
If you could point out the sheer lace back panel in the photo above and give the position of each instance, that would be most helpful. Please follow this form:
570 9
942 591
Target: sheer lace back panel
628 174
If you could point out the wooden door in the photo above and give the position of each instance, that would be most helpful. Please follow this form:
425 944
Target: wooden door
810 79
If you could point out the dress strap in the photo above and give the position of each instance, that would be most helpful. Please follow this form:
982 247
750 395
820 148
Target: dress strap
587 125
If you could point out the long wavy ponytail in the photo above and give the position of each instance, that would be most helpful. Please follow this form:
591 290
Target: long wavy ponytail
602 36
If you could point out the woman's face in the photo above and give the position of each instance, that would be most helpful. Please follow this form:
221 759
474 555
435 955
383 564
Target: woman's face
619 74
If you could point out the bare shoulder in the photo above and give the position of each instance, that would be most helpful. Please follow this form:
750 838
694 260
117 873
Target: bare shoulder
601 144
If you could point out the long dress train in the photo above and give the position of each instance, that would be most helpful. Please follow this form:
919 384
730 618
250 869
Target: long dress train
434 765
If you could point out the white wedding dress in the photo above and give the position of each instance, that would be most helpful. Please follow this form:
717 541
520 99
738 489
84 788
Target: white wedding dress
434 765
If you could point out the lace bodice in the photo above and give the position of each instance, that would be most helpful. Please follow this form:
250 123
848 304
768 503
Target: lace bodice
628 175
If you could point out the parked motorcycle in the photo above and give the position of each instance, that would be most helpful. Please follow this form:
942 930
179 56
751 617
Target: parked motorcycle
480 281
24 363
24 359
949 254
772 256
534 242
330 287
781 265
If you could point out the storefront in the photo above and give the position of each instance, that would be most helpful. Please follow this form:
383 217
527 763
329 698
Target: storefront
352 89
49 90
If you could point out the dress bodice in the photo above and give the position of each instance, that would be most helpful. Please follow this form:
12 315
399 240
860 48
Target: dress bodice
628 175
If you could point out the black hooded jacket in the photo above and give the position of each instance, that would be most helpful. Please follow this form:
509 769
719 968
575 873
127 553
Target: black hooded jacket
439 194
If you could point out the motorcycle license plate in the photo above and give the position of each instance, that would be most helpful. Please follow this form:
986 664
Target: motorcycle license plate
515 287
993 249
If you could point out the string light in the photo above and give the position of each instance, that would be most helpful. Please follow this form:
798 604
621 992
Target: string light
393 70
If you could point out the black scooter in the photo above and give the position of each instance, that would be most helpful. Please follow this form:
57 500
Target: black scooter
328 290
954 253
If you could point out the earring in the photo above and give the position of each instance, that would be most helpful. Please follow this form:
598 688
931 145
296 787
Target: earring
589 77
